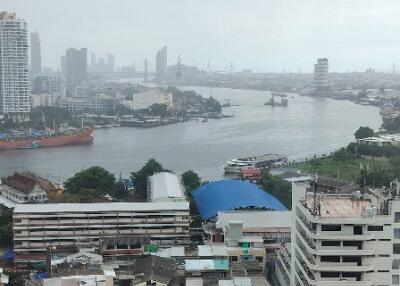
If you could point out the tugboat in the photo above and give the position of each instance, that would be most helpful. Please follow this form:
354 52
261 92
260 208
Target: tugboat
273 103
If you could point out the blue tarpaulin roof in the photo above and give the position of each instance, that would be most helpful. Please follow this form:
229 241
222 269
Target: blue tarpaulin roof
232 194
9 255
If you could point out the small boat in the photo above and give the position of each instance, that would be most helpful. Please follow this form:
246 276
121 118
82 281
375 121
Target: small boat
272 102
260 161
204 119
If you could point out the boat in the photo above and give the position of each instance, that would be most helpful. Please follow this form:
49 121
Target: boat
272 102
39 139
234 166
280 94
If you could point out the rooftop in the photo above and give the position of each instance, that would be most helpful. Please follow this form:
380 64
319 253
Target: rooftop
165 186
257 221
100 207
338 206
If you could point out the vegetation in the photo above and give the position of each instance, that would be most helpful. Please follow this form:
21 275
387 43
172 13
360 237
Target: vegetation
91 184
364 132
6 232
16 278
159 109
387 151
391 124
192 181
140 177
278 187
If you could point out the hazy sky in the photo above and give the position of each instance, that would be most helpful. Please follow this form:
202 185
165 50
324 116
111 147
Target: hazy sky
263 35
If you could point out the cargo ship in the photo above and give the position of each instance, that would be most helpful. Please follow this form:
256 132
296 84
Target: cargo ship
38 139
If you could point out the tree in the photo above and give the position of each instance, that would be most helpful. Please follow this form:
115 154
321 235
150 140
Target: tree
191 180
16 278
140 177
96 179
213 105
279 188
364 132
6 232
159 109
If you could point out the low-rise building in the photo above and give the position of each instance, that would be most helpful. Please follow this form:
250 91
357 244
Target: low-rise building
26 188
36 227
145 99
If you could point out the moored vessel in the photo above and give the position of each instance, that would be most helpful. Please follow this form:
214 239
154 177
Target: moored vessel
234 166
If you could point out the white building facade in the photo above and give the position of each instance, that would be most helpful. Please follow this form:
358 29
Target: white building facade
342 239
321 73
14 68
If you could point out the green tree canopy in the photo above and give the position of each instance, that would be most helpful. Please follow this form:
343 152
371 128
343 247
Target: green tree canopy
364 132
140 177
159 109
191 180
95 178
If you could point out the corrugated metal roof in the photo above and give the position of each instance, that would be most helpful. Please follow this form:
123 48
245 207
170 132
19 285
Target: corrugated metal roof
99 207
164 186
232 194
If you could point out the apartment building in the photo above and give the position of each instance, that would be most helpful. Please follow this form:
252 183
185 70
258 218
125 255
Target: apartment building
321 74
14 67
342 239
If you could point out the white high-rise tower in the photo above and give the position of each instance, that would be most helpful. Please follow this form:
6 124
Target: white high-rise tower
14 67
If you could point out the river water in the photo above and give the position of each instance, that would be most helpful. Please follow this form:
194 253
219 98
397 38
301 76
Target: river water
307 127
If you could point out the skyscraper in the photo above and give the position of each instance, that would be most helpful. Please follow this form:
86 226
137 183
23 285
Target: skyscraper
76 63
161 63
93 62
321 74
36 56
110 63
14 67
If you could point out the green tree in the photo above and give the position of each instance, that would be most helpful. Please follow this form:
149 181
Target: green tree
191 180
159 109
213 105
16 278
279 188
6 221
364 132
96 179
140 177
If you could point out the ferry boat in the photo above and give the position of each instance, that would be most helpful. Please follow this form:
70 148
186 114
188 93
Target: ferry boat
234 166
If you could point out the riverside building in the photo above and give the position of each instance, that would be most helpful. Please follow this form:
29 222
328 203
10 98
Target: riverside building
321 74
342 239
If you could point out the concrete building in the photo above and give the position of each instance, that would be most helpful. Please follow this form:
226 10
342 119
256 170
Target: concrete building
14 68
165 186
76 66
43 100
36 55
343 239
321 74
145 99
36 227
161 63
77 104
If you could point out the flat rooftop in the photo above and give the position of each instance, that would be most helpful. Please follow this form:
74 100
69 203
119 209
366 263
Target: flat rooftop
100 207
339 206
165 186
258 221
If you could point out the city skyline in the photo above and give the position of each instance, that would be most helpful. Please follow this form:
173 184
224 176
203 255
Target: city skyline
268 37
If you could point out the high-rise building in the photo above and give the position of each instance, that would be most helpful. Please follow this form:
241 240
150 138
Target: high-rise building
342 238
63 65
111 63
14 67
321 74
36 56
76 66
161 63
93 62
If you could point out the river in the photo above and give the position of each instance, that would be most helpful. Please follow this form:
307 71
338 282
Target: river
307 127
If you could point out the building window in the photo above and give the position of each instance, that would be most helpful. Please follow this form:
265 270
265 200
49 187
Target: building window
395 279
397 217
330 243
234 258
375 228
396 248
330 258
329 274
396 233
395 264
259 258
331 227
